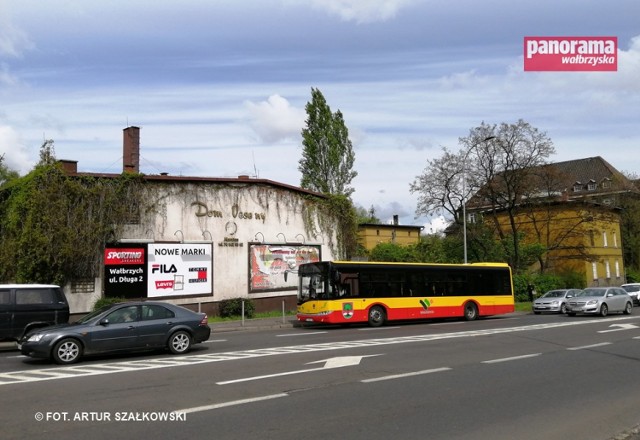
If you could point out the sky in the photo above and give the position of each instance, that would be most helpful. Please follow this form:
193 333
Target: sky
219 87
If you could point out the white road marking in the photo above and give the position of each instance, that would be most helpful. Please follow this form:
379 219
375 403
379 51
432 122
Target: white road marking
619 328
23 376
337 362
584 347
232 403
400 376
513 358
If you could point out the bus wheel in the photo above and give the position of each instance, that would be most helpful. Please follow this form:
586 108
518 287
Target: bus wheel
377 316
470 311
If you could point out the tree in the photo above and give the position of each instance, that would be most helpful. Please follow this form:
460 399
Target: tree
47 153
503 160
367 216
492 173
6 174
327 157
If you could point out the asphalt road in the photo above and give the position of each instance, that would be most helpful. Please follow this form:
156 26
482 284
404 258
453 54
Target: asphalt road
520 376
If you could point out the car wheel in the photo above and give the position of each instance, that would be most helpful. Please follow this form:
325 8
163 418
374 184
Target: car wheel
470 311
571 314
179 342
537 313
563 308
377 316
627 309
67 351
604 310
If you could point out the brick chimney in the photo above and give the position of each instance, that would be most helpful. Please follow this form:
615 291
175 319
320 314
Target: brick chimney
69 166
131 150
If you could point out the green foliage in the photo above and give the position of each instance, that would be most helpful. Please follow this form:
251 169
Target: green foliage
327 156
6 174
104 301
367 216
393 252
53 224
233 307
544 282
633 275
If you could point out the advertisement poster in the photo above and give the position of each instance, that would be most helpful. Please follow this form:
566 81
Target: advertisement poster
179 269
125 270
269 262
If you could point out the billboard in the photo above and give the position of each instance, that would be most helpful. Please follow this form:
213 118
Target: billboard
152 270
269 262
179 269
125 270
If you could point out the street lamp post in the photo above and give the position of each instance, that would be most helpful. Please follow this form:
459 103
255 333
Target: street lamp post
464 195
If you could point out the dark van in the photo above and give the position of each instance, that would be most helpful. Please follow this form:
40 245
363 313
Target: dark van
24 307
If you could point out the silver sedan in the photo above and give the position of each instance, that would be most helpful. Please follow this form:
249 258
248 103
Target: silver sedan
600 301
554 301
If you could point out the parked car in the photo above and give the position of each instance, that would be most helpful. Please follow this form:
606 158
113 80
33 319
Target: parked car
554 301
121 327
600 300
25 307
633 289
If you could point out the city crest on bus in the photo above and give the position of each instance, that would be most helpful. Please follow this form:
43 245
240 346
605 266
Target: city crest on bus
347 310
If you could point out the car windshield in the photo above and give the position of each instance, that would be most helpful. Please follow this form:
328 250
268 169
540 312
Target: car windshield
88 317
592 292
554 294
631 288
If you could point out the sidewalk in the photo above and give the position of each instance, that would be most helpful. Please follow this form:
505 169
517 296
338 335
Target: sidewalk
254 324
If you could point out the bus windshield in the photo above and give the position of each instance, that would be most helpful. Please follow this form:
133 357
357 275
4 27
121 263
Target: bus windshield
314 283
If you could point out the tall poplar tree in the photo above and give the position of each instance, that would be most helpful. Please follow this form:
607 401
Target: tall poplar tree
327 156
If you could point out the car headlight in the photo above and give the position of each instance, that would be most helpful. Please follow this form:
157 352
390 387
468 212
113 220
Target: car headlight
593 302
36 338
554 303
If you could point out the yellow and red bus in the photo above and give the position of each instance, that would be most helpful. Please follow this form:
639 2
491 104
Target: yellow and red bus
343 292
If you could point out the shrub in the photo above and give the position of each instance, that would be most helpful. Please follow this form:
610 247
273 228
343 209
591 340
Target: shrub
101 302
233 307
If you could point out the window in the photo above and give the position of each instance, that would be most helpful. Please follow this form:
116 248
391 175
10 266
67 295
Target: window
615 240
592 185
604 239
35 296
124 314
577 187
5 297
606 183
617 269
156 312
471 217
592 238
607 269
594 268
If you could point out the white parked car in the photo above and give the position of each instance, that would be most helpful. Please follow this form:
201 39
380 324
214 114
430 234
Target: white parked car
633 289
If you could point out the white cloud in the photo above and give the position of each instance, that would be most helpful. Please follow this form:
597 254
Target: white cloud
13 150
275 119
13 41
363 11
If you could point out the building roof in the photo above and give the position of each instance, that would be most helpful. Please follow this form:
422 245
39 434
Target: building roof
581 172
389 226
243 179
